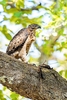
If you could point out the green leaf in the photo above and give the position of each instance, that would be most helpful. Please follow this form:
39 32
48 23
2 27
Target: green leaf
14 96
20 4
3 2
60 31
63 73
4 30
11 10
8 36
2 95
18 14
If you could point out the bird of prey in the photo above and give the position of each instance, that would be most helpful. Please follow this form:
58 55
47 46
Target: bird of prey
20 44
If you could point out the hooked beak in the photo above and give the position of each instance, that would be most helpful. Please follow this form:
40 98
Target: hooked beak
39 27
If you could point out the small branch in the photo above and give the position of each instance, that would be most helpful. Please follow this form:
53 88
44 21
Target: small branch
24 79
37 7
10 4
22 9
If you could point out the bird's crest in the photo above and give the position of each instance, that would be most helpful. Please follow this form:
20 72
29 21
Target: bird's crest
34 26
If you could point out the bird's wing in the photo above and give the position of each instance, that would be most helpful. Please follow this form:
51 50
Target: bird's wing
17 41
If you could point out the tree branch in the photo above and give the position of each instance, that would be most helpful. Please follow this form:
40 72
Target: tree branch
11 4
37 7
24 79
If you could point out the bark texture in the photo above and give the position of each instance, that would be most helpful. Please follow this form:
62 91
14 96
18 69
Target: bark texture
24 79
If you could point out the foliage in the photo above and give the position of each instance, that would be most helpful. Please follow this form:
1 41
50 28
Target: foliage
53 36
6 94
19 13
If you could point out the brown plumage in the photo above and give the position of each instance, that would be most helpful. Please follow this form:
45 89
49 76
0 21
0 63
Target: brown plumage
21 42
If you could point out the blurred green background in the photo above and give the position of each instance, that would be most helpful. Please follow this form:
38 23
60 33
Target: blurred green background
51 40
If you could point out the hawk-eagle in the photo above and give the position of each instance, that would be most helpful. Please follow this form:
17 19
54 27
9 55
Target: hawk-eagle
21 42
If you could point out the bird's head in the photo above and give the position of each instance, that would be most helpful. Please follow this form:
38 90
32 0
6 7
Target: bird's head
34 26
